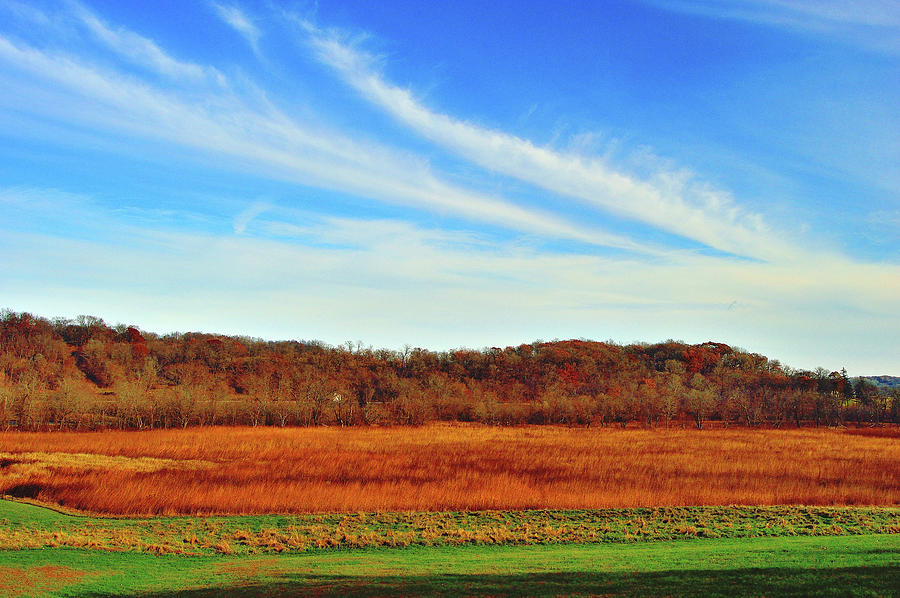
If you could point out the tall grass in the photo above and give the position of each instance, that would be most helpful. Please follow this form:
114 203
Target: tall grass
447 467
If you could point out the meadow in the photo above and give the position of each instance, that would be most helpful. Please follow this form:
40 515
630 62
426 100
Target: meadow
444 467
836 566
450 509
701 551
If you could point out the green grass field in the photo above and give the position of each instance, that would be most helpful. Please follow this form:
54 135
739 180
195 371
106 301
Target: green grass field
724 551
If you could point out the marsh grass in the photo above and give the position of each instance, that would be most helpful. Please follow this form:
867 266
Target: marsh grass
29 464
24 526
444 468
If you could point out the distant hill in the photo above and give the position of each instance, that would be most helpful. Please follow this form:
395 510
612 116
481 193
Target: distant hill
83 374
883 381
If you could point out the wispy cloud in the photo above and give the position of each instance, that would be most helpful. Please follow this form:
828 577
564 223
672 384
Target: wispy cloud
240 22
245 217
396 283
225 122
26 12
74 19
669 200
873 24
307 271
141 50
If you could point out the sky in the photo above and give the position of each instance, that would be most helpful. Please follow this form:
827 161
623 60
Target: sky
460 174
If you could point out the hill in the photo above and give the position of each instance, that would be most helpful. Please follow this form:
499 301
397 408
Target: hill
85 374
884 381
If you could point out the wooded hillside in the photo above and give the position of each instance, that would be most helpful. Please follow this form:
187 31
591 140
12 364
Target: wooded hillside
85 374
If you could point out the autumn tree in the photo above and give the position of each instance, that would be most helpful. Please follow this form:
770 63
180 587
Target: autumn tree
82 372
70 404
699 400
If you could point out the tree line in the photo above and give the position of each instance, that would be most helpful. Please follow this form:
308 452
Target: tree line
84 374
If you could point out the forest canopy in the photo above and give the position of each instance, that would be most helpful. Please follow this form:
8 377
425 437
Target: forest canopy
84 374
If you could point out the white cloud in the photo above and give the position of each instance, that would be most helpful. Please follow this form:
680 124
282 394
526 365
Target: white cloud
388 281
259 135
873 24
669 200
802 13
391 282
143 51
25 12
239 21
245 217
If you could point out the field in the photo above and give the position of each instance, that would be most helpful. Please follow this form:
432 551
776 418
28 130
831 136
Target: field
450 510
844 566
445 468
728 552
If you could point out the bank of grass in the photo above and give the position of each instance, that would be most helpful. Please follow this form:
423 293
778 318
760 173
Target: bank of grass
733 567
444 467
27 526
692 551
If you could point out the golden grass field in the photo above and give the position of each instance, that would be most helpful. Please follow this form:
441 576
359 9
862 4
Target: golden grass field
446 467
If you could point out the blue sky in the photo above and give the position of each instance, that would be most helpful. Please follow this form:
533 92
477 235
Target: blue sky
460 174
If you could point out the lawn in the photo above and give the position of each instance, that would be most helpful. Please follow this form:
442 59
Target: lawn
786 566
727 551
449 510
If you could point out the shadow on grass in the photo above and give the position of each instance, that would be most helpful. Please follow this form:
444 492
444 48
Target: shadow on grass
852 581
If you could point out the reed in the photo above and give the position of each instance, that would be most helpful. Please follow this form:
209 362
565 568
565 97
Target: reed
445 467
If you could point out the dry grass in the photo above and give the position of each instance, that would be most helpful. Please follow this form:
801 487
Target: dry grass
446 467
32 581
253 534
27 465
